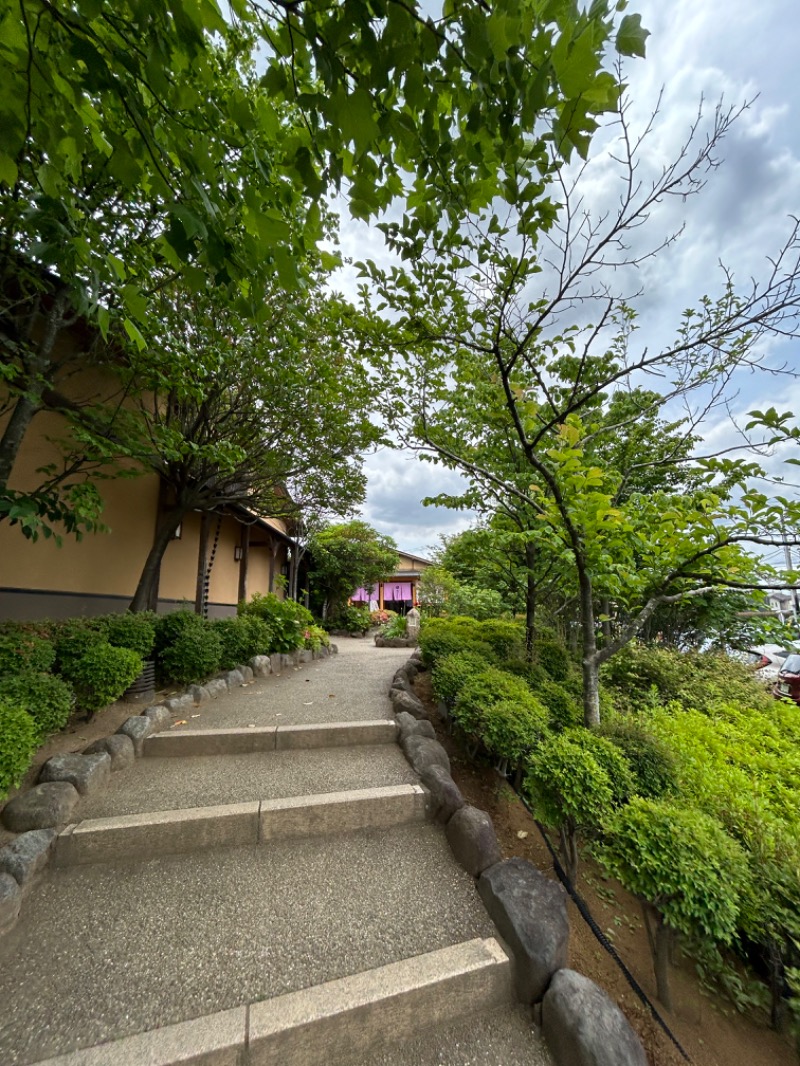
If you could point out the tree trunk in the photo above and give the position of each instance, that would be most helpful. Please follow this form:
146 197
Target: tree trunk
605 609
530 601
663 939
591 680
167 524
31 402
569 850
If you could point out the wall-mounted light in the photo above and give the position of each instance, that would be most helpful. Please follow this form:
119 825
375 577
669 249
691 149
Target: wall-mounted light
178 531
237 553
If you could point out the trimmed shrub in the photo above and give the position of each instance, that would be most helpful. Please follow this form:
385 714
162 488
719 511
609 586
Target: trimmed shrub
653 765
553 657
194 655
506 639
22 650
440 637
564 710
350 619
511 730
134 631
18 742
235 639
73 638
169 627
315 637
102 675
47 699
286 619
611 760
483 690
452 672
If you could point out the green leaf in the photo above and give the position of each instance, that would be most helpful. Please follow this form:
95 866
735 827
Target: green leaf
8 170
631 36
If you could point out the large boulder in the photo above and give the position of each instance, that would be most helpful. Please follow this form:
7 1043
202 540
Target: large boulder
234 679
138 728
10 900
26 856
88 773
406 701
423 752
42 807
405 724
199 693
215 687
445 795
246 672
530 912
159 716
400 683
473 840
118 747
583 1027
260 665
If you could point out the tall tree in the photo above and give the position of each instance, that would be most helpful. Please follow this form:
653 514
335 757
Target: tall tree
509 318
347 556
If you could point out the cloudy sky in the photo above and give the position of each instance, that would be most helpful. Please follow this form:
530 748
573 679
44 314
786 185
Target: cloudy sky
697 48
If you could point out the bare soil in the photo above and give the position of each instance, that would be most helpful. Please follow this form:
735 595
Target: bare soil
708 1028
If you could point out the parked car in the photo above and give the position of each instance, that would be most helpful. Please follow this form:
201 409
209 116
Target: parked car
788 683
766 660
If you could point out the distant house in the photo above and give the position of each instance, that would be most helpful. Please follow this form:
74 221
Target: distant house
399 592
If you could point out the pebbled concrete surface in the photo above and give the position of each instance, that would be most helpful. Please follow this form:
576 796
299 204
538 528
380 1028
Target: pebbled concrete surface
503 1037
174 784
102 952
348 687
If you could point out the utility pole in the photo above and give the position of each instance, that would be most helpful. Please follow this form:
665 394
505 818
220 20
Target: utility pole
790 566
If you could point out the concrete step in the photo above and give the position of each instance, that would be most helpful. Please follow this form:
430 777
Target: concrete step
244 741
135 836
108 951
326 1023
171 784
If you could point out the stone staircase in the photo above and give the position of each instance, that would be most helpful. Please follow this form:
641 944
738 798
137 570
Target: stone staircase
263 886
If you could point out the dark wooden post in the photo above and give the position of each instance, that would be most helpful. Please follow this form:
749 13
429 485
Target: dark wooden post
245 543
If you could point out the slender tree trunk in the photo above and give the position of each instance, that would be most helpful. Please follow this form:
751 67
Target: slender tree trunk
663 939
591 680
31 402
569 850
530 601
167 524
605 608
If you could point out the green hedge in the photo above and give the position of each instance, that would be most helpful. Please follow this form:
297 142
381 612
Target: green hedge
47 699
452 672
287 620
241 638
194 655
22 650
101 675
134 631
486 688
18 742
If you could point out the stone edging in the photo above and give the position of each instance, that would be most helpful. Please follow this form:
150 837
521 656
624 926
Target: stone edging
39 814
580 1023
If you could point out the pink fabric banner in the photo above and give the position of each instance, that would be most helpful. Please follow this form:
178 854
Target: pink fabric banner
400 590
363 596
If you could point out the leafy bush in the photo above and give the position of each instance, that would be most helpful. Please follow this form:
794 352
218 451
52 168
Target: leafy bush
474 602
483 690
612 760
22 650
398 627
564 710
18 742
652 763
452 672
440 637
101 675
170 627
134 631
194 655
315 637
286 619
680 860
553 657
73 638
507 639
47 699
381 618
511 730
240 639
350 619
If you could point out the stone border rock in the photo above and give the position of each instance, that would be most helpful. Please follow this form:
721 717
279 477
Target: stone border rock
38 814
581 1025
